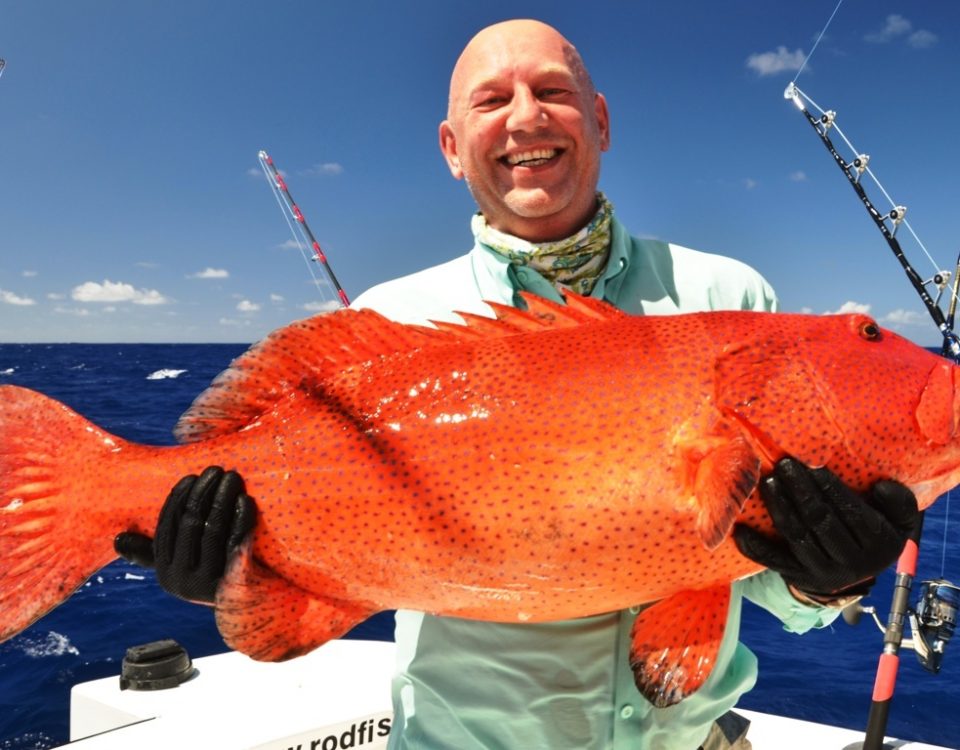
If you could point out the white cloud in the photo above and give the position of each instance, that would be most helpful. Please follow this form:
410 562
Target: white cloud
233 322
922 39
149 297
897 27
258 172
110 291
901 317
80 312
325 306
247 306
29 274
10 298
750 183
798 176
806 311
330 168
850 307
288 245
771 63
56 296
210 273
276 298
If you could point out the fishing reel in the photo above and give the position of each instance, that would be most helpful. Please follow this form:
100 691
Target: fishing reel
933 621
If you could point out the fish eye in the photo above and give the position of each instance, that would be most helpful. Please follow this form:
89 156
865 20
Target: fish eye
870 331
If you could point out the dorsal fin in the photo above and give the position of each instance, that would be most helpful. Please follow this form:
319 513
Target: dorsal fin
304 354
577 310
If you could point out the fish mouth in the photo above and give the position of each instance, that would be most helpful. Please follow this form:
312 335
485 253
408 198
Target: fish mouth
530 158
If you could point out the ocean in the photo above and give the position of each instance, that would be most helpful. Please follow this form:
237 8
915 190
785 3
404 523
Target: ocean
139 391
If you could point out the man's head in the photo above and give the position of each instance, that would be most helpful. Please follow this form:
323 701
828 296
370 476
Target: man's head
525 127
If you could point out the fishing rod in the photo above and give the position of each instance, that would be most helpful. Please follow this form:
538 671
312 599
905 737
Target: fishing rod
933 623
888 222
933 620
292 211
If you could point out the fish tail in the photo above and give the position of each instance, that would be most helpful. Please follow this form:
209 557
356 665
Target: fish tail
51 537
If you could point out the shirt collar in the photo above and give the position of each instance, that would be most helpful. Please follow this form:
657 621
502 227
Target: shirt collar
498 281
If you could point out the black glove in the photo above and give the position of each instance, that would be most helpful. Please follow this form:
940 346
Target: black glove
203 520
833 541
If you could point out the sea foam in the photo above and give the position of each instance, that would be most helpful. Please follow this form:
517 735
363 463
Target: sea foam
53 644
165 373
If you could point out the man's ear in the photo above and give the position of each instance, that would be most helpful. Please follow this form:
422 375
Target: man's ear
603 121
448 146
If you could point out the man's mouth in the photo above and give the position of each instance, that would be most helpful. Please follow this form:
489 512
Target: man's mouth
533 158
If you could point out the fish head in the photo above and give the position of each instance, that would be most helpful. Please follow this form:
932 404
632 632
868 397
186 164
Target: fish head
842 392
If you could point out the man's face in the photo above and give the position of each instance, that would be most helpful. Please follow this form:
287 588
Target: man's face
525 129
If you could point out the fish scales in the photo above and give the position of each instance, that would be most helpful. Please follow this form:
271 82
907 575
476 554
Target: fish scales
554 463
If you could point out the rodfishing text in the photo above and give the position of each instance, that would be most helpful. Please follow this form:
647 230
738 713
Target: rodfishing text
357 735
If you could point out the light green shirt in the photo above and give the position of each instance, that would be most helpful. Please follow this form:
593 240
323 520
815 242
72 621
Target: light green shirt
472 685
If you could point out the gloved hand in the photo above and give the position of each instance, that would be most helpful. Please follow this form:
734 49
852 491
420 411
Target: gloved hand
203 520
833 541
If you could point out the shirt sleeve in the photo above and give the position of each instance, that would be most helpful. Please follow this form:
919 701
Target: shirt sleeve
769 591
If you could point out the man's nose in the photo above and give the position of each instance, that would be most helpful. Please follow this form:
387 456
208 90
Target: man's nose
526 112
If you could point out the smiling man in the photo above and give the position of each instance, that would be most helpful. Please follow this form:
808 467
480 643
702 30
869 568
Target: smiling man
526 129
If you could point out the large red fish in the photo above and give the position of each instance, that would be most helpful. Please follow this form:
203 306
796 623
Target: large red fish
559 462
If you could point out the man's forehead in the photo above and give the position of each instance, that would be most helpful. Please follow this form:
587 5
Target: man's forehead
488 78
504 51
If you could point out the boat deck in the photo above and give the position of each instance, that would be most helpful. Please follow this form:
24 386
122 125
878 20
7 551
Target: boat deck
335 697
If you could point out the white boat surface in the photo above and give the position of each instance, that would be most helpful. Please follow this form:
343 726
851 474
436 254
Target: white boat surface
336 697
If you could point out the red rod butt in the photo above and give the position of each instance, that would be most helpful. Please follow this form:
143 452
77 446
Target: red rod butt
886 677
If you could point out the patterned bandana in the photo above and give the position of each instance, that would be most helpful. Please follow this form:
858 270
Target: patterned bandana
574 263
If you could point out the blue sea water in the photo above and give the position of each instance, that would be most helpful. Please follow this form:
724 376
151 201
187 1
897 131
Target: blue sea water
823 676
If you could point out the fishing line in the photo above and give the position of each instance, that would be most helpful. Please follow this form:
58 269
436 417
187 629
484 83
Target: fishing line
293 231
946 527
824 31
889 222
828 118
302 235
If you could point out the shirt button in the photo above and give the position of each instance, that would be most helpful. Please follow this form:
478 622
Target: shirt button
626 712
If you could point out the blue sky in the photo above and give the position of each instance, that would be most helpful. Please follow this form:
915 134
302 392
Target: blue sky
132 207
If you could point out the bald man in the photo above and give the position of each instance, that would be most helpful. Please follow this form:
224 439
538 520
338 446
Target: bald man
525 129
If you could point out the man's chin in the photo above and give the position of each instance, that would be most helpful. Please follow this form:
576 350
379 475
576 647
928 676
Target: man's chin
535 203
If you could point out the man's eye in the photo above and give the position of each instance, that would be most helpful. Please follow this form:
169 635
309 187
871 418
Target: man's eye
552 93
493 100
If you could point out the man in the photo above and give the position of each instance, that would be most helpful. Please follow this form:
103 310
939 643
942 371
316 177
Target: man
526 130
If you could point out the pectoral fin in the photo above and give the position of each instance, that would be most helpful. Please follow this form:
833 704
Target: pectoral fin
726 475
675 643
721 470
270 619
